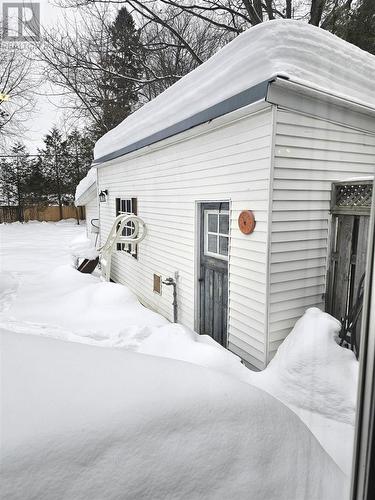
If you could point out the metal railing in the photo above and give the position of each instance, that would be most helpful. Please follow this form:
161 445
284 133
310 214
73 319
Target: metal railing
115 236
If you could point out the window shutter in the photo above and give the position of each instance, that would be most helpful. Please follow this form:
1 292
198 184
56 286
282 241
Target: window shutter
118 204
134 206
135 212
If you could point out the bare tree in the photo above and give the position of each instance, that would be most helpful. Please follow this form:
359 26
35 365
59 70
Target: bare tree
240 14
176 35
76 55
233 16
166 59
72 57
16 89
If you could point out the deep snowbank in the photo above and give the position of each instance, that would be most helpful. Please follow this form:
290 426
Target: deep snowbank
317 379
311 354
323 61
81 422
69 305
311 374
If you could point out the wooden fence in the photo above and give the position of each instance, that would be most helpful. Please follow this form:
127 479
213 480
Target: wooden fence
9 214
40 213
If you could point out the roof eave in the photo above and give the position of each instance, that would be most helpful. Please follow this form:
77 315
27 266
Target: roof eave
256 93
298 96
278 90
86 196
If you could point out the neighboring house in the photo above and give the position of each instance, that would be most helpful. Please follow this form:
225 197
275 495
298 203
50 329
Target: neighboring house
266 125
87 196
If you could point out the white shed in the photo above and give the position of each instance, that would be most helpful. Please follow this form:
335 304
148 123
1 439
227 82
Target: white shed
266 125
87 196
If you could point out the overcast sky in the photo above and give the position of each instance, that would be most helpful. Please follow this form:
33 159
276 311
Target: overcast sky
46 112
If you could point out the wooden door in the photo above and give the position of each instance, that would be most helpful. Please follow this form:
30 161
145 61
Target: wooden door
213 275
348 264
350 209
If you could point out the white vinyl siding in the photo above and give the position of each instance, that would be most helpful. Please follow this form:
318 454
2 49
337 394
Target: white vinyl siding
310 154
92 212
225 160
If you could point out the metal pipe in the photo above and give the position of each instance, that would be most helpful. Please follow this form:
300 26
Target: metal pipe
168 282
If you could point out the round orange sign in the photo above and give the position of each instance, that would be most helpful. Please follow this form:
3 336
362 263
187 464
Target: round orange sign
246 222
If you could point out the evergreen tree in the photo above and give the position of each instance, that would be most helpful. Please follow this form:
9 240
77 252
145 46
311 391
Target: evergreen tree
6 187
62 163
121 70
15 173
36 190
79 148
52 177
53 166
360 29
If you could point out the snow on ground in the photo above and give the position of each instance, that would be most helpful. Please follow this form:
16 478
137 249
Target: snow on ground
29 250
56 300
323 61
36 247
310 374
82 422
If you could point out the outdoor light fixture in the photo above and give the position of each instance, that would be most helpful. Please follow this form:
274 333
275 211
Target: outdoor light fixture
103 196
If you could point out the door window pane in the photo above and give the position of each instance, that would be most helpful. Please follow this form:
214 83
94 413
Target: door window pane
212 223
212 243
223 245
224 224
216 228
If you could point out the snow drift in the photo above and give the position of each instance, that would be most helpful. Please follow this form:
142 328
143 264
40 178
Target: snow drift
317 379
82 248
69 305
311 371
81 422
323 61
310 374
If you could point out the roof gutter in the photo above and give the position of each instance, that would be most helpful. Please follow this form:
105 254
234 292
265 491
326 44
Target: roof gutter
297 96
278 90
244 98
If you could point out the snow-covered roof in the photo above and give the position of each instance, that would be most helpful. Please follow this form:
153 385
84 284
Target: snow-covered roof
85 184
299 51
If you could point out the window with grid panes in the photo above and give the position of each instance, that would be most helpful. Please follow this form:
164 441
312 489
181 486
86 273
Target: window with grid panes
126 205
216 233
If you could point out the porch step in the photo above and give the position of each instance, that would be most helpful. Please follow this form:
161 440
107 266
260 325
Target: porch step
87 266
